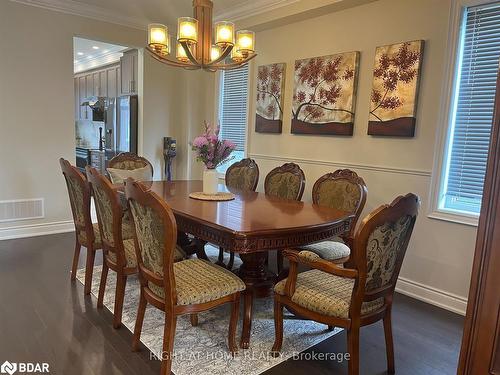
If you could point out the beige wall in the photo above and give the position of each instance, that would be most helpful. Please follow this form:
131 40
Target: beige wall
173 105
438 263
37 114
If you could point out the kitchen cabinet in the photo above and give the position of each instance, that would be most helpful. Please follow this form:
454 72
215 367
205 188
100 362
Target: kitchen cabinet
113 81
110 81
102 82
129 71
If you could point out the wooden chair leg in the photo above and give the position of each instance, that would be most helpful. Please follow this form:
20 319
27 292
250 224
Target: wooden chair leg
279 261
233 323
89 270
353 348
389 344
278 328
220 258
168 344
230 264
121 282
136 339
200 249
194 319
76 257
102 286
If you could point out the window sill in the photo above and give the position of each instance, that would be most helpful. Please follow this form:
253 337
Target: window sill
454 217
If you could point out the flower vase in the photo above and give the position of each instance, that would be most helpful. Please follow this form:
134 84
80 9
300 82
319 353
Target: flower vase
210 181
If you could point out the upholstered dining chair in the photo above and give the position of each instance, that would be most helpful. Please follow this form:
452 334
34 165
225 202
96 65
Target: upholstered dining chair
86 233
116 237
128 164
287 182
352 297
186 287
346 191
241 176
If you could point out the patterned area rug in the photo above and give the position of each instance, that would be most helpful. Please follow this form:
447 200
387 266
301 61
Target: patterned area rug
203 349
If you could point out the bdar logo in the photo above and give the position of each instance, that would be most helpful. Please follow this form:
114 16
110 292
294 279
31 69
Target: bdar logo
8 368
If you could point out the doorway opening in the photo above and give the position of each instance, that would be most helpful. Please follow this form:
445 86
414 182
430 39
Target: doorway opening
105 101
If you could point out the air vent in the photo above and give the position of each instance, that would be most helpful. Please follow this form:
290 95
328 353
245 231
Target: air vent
21 209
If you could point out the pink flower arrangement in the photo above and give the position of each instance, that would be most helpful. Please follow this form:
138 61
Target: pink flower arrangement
211 150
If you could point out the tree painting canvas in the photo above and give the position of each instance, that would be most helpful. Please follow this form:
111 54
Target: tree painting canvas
269 108
394 93
324 94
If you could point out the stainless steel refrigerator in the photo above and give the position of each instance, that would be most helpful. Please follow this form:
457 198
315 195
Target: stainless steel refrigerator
121 124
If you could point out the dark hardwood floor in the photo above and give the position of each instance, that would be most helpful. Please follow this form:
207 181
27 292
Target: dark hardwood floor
45 318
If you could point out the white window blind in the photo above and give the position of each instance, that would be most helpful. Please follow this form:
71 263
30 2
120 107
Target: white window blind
233 106
473 112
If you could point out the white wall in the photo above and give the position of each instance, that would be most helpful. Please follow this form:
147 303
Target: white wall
37 114
438 263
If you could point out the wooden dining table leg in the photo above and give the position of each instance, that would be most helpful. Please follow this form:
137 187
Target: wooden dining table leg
259 283
247 319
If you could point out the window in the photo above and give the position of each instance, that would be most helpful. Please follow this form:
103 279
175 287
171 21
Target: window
233 103
471 117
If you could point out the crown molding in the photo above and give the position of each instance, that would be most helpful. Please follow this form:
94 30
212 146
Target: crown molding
89 11
251 8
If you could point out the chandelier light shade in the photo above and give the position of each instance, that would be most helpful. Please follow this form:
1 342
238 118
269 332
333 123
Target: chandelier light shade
187 30
245 40
201 44
224 33
181 53
158 36
215 53
236 55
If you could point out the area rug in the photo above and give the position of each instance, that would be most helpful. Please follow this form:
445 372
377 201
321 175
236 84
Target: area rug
203 349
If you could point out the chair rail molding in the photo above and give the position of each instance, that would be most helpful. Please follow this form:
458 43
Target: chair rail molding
368 167
89 11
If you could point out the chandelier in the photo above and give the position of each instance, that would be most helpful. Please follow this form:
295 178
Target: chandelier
194 47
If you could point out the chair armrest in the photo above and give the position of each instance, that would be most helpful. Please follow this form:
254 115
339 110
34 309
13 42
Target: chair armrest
312 260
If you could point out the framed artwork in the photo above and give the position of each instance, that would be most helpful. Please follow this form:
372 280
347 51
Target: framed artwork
324 94
269 108
396 79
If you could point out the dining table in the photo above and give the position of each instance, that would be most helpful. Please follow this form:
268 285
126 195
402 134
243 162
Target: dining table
250 225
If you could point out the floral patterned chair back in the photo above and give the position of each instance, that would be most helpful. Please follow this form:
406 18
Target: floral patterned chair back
343 190
79 197
286 182
109 216
156 234
380 245
129 161
243 175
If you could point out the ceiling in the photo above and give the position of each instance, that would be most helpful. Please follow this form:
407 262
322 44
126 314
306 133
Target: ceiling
247 13
89 54
138 13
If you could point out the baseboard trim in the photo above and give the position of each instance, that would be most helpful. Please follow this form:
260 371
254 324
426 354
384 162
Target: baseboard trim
34 230
433 296
366 167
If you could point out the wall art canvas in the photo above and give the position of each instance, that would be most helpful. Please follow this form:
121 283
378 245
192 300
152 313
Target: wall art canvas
324 94
396 78
269 108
